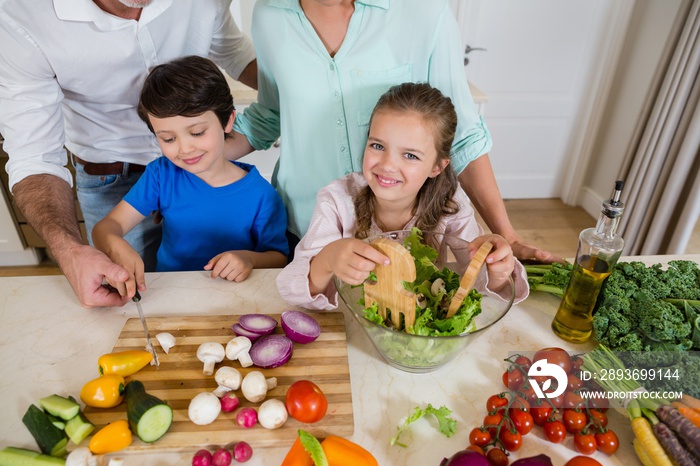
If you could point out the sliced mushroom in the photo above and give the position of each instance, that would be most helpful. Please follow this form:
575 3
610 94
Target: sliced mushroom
166 340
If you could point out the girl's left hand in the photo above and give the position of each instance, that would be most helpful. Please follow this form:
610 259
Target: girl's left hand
231 266
500 262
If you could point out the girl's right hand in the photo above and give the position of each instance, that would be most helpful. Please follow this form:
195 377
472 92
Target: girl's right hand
351 259
123 254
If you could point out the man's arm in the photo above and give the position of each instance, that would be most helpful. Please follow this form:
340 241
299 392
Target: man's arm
48 203
479 183
249 75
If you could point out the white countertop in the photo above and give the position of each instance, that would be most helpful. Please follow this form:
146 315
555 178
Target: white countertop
49 344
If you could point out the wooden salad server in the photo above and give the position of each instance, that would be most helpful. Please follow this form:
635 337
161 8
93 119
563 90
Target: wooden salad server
469 278
388 291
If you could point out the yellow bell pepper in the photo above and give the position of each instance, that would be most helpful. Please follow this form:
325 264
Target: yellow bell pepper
103 392
124 363
114 436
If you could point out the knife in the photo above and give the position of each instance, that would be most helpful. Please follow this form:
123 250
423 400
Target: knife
137 300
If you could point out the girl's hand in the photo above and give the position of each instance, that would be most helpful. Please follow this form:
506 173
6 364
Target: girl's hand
500 262
231 266
121 253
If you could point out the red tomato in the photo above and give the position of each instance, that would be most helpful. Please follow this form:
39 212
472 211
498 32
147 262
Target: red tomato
582 461
512 440
540 413
476 449
524 363
574 383
576 363
520 403
522 421
306 402
585 443
601 404
512 379
554 431
574 420
556 356
497 457
557 401
479 436
599 418
496 403
573 400
491 422
607 442
527 392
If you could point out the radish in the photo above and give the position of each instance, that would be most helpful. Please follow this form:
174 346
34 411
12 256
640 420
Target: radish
242 452
201 458
247 417
221 457
229 402
300 327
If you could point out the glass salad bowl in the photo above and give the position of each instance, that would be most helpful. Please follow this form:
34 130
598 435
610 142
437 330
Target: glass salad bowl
431 349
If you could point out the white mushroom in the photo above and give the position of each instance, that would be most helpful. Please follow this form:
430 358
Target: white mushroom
255 386
166 340
228 379
204 408
82 456
210 353
437 287
237 349
272 413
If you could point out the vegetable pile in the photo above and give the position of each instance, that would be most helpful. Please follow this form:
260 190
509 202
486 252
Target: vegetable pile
549 278
665 434
434 289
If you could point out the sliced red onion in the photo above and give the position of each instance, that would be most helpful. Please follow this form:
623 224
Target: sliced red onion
300 327
241 332
271 351
257 323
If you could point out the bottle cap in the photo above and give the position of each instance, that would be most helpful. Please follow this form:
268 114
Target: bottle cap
613 207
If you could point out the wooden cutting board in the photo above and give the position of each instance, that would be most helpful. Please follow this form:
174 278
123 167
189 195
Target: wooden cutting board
180 378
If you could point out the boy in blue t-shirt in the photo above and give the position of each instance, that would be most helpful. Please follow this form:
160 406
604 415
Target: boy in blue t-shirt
218 215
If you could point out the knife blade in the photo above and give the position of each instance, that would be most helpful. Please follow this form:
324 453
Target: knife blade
137 300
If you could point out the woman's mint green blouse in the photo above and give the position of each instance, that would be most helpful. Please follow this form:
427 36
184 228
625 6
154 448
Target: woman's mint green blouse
321 105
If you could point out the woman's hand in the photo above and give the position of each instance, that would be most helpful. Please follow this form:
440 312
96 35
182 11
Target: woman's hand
528 252
349 259
230 265
500 262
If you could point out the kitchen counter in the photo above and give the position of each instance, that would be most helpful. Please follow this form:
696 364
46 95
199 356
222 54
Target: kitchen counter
49 344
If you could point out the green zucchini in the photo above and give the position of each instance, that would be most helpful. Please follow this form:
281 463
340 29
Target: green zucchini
79 428
11 456
51 440
60 423
60 407
149 417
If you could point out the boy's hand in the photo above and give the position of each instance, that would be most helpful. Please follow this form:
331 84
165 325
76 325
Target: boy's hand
121 253
500 262
231 266
351 260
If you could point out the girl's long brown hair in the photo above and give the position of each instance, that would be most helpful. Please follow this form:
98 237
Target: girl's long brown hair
434 199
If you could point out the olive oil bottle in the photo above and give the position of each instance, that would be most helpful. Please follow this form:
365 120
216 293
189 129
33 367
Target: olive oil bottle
599 249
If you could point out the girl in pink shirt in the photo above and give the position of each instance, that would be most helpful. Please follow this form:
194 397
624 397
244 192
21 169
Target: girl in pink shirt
406 181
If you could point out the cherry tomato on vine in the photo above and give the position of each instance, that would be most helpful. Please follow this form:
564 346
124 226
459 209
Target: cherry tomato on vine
556 356
573 420
527 392
573 383
512 440
512 379
491 422
496 403
599 418
582 461
520 403
476 449
601 404
573 400
607 442
585 443
540 413
554 431
576 363
522 421
524 362
479 436
306 402
557 401
497 457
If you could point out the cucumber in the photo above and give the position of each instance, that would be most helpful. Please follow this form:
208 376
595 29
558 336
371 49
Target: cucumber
60 407
51 440
79 428
60 423
11 456
149 417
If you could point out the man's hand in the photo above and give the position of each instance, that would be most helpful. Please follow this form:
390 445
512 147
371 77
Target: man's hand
85 268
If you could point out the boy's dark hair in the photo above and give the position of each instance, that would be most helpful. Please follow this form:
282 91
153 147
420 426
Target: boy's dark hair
434 199
188 86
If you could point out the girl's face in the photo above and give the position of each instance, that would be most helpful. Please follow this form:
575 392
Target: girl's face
400 155
195 144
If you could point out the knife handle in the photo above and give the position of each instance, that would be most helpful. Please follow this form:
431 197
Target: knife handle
137 297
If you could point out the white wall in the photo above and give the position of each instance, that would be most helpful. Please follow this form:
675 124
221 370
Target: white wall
647 36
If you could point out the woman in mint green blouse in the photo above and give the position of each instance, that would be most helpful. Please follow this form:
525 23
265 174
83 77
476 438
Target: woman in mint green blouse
322 65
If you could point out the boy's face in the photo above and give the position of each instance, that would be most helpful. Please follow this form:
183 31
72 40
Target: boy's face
195 144
400 155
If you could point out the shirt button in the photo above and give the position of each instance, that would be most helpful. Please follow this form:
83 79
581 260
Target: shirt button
332 67
342 149
336 93
339 122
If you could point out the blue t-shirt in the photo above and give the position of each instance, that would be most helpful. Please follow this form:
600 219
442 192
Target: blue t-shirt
201 221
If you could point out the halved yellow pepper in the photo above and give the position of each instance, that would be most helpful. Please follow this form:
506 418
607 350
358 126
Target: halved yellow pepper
103 392
114 436
124 363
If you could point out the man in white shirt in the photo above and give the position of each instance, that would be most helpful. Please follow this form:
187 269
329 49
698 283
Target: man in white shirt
70 75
